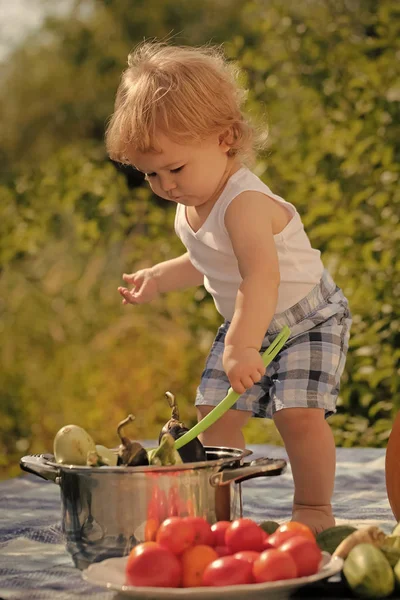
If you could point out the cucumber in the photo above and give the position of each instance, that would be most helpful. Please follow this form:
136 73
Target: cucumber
391 549
269 526
396 571
329 539
368 572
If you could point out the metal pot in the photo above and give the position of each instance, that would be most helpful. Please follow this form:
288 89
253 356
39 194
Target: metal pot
108 510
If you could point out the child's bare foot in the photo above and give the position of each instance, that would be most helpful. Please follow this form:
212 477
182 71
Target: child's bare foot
317 518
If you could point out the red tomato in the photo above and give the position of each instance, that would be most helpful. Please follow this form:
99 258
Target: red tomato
297 529
228 571
202 531
176 534
278 538
249 555
244 534
222 550
267 544
273 565
218 532
194 562
149 564
305 553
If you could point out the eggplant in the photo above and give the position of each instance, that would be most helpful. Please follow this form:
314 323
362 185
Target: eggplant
192 451
72 444
131 454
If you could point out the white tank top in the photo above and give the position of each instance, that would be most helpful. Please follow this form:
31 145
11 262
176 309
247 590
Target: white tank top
210 249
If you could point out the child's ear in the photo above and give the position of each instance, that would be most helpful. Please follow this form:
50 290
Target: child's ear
226 139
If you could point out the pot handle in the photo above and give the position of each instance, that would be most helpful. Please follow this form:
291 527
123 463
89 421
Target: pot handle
36 464
257 468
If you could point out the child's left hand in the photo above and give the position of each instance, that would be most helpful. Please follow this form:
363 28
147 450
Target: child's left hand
243 366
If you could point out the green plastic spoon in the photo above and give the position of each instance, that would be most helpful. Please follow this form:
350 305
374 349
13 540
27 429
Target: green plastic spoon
231 396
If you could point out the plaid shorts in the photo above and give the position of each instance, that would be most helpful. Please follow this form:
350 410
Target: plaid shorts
306 372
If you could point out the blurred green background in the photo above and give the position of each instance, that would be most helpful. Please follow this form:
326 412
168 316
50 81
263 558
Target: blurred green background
324 74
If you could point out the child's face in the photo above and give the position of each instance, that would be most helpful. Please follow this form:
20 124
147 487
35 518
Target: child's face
185 173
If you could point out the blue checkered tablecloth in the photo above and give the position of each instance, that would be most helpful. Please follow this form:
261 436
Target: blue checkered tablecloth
34 564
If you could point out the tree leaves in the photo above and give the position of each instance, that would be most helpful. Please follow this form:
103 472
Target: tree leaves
325 77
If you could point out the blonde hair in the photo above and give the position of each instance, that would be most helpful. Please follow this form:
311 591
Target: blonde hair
187 93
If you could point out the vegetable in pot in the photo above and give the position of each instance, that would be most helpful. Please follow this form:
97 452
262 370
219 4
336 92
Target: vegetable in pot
194 450
72 444
131 454
107 456
165 455
102 457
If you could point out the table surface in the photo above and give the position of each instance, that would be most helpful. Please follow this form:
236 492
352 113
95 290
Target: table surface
34 564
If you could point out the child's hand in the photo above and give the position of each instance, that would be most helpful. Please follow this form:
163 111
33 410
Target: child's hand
144 288
243 366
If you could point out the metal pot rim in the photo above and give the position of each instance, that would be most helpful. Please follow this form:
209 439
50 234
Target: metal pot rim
237 454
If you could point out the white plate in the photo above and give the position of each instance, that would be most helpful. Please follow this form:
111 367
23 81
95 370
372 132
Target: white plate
110 574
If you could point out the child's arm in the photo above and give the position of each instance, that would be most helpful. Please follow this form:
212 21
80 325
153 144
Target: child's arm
248 220
174 274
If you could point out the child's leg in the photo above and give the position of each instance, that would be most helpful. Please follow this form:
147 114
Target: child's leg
227 431
310 446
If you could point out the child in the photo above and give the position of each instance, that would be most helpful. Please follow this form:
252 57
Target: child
178 119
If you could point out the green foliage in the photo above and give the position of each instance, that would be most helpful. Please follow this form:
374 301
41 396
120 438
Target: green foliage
59 87
329 78
324 75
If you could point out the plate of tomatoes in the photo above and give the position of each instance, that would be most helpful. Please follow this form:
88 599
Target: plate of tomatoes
226 559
